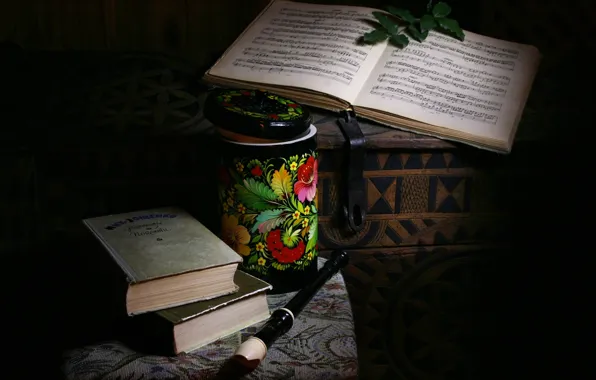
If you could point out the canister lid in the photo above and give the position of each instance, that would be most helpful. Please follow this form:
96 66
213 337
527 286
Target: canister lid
256 113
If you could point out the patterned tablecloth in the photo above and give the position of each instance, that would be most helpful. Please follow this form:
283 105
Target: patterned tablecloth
320 345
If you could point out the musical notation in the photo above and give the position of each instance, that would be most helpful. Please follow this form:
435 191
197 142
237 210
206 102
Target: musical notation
298 41
423 98
273 67
444 77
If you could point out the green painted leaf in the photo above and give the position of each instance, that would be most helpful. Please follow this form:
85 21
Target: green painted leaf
441 9
255 195
256 238
290 238
375 36
313 209
400 40
427 22
268 220
452 26
386 22
416 34
402 14
313 235
253 259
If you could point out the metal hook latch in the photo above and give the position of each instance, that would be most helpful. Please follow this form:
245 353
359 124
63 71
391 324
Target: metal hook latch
354 203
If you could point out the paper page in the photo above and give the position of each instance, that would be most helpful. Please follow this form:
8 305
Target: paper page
304 45
477 86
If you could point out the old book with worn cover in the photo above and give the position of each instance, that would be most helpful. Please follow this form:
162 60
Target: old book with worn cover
196 324
472 91
168 257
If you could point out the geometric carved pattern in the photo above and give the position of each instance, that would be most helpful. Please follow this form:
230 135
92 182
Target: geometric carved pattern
412 198
415 314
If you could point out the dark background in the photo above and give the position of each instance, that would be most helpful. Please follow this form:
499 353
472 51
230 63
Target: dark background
545 289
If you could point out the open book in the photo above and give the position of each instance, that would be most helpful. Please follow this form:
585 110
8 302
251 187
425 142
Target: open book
473 92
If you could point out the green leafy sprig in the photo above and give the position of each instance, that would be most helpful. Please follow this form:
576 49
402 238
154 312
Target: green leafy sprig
400 23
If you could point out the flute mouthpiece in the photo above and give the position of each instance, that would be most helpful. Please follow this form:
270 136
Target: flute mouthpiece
252 350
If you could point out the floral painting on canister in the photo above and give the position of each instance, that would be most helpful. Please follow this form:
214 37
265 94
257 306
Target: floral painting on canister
269 211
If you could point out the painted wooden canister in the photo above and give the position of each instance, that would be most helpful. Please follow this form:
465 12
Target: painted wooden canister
267 184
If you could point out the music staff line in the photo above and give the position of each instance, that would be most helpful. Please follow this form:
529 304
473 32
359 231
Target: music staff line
479 46
300 34
446 79
299 24
465 57
322 46
325 60
392 79
333 15
447 64
433 105
280 67
361 27
452 96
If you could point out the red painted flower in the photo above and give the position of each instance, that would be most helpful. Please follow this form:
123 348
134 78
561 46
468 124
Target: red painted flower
226 104
274 241
245 93
289 255
306 186
293 105
256 171
273 116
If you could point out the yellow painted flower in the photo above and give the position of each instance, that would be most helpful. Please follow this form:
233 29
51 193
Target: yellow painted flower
225 207
304 223
296 215
230 202
307 210
235 235
261 261
241 208
293 166
260 247
309 256
239 166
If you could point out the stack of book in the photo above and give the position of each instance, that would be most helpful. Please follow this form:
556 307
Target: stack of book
181 274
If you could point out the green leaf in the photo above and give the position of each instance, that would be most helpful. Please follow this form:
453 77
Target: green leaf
386 22
255 239
375 36
416 34
255 195
400 40
441 9
427 22
402 14
260 189
268 220
253 259
290 238
313 235
451 26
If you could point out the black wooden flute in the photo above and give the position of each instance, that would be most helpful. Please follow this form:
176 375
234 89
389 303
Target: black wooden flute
253 351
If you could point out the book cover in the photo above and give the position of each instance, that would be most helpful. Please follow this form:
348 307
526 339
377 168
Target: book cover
160 242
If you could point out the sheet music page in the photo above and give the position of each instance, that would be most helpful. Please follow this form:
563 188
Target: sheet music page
476 86
305 45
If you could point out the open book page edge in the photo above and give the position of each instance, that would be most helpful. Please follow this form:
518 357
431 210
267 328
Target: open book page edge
247 60
301 95
410 125
537 58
